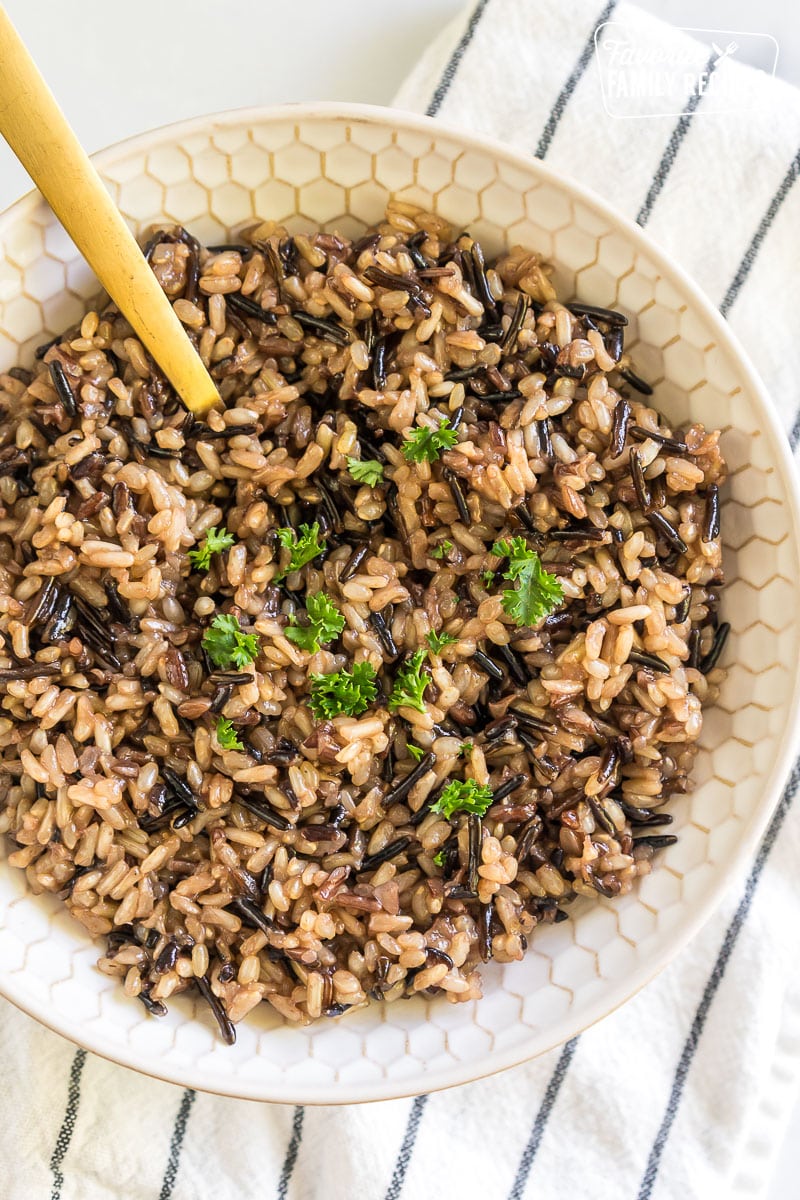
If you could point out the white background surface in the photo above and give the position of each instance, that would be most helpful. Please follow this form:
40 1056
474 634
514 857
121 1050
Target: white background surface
118 69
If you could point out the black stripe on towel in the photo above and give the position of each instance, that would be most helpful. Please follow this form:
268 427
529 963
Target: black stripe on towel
712 987
751 253
794 432
292 1150
563 97
406 1149
68 1123
541 1119
176 1144
671 151
449 73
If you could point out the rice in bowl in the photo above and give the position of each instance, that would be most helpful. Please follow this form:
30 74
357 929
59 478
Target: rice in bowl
346 689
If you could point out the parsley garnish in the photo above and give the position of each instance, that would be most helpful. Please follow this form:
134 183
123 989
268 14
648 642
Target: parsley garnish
368 471
537 592
425 444
410 684
488 578
442 549
465 749
463 796
439 857
437 641
215 541
303 548
416 752
344 692
227 736
326 623
227 646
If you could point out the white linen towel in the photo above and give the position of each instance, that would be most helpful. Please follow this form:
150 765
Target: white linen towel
684 1092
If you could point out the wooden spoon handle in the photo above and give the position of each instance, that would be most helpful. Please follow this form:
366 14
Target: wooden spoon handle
40 136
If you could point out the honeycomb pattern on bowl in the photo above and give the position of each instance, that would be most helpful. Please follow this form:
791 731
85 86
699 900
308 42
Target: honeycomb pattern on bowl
337 170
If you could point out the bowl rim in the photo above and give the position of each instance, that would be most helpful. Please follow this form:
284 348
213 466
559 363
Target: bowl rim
612 996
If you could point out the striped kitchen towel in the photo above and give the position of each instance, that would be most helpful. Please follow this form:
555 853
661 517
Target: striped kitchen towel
684 1092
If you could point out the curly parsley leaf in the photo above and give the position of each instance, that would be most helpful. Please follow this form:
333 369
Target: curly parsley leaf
368 471
439 857
488 578
343 693
465 749
442 549
215 541
425 444
227 736
302 549
416 752
517 553
437 641
325 623
410 684
227 646
537 592
463 795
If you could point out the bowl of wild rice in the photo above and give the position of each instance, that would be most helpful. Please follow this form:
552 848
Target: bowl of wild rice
406 714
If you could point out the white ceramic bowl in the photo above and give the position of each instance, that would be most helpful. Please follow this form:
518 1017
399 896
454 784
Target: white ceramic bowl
336 167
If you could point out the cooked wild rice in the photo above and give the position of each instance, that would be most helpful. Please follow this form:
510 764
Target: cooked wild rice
309 869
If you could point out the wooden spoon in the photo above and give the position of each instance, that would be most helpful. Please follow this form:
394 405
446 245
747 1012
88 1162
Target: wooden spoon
38 132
